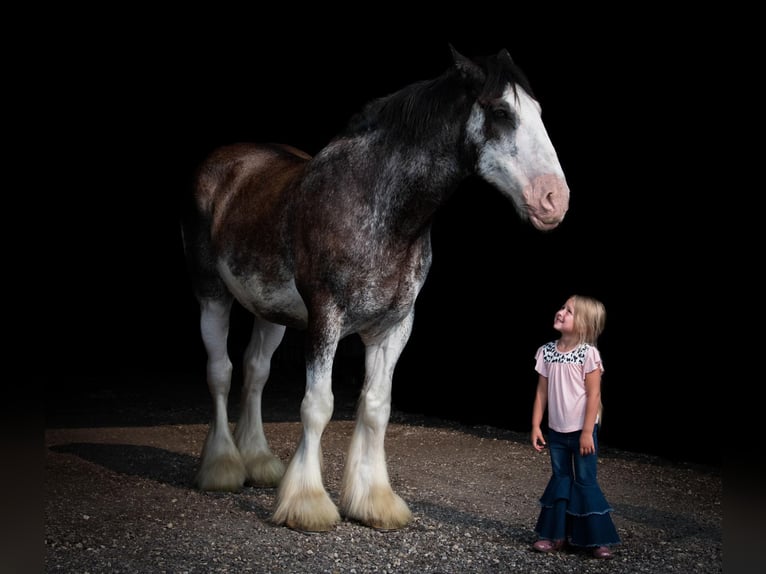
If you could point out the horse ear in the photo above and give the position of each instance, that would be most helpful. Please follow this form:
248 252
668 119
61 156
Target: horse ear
504 56
468 69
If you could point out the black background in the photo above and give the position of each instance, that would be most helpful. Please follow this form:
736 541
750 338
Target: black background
140 99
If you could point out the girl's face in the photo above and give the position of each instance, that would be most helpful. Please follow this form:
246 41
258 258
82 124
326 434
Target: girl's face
563 321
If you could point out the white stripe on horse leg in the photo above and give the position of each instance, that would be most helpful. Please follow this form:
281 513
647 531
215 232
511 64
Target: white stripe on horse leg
366 493
263 468
221 466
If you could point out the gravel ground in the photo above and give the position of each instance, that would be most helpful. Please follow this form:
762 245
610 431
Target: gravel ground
119 498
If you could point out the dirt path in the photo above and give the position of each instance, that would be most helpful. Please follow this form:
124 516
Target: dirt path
120 499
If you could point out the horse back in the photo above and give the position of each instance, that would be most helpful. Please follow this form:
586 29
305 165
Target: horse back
246 176
240 213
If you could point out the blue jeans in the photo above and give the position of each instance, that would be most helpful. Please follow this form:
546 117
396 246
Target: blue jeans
572 505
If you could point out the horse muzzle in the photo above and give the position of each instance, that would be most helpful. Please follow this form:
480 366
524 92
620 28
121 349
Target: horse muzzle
547 201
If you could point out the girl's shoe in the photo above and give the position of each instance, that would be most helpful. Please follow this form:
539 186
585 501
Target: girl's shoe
602 552
548 545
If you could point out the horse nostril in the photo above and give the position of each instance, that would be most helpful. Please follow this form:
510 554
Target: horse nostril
552 200
552 195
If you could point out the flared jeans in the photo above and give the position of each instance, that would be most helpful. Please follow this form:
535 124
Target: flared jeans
573 507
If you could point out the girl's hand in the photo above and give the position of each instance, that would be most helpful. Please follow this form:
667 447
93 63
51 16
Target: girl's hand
538 440
586 444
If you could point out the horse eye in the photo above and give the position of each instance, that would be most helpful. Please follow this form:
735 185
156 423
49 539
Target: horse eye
502 113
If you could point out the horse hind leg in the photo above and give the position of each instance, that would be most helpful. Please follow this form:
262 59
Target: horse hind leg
221 467
263 468
366 493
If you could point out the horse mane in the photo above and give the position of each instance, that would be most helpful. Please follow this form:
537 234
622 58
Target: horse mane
408 112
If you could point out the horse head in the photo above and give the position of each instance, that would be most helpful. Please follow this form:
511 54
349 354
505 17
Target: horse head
508 138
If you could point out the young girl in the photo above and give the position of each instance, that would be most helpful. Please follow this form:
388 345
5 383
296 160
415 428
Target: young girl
573 507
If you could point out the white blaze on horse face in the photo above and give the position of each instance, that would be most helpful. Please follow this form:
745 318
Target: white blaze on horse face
523 163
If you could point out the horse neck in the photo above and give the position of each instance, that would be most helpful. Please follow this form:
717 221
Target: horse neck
407 148
405 182
421 187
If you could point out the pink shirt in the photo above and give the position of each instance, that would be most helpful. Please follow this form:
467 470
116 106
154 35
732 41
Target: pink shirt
566 383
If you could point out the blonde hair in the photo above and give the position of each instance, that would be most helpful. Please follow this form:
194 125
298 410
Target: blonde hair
589 318
589 321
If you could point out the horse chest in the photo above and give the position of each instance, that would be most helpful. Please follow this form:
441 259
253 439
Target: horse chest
373 285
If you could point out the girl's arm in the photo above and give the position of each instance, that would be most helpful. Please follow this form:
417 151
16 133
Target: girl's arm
592 406
538 408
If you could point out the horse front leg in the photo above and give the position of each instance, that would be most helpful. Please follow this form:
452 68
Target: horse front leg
263 468
366 493
221 465
302 501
